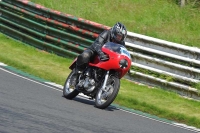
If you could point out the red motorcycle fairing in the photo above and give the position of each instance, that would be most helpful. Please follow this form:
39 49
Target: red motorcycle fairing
113 63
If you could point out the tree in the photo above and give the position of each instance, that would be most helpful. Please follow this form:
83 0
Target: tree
193 3
182 2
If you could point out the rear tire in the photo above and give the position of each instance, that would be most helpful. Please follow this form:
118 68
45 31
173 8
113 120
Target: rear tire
70 91
105 98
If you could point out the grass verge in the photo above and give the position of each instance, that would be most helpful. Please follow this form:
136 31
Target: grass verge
54 68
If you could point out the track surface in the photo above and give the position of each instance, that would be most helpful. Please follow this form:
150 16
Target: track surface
30 107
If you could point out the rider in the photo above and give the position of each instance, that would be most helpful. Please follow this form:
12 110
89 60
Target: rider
116 34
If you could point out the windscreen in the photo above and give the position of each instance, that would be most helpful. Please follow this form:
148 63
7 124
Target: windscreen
117 48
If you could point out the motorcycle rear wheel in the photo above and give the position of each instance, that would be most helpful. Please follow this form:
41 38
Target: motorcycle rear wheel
105 98
70 91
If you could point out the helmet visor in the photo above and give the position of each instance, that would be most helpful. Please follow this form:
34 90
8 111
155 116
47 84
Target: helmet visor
119 37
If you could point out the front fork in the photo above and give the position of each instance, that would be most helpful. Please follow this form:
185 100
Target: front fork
105 81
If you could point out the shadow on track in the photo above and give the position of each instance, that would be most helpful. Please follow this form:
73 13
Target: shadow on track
91 102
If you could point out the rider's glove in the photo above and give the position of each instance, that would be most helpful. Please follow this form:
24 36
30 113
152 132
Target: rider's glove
103 56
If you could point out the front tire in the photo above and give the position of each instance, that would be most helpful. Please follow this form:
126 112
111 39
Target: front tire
105 98
69 90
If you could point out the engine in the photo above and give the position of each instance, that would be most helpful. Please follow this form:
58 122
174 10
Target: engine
87 81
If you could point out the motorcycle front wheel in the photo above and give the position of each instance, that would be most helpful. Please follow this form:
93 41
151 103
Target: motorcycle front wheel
105 97
69 90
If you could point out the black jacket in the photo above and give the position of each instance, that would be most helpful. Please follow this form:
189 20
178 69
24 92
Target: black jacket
103 38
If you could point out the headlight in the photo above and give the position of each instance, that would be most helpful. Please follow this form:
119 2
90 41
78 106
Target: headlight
123 63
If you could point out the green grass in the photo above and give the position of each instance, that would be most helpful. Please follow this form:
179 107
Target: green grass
158 102
29 59
54 68
162 19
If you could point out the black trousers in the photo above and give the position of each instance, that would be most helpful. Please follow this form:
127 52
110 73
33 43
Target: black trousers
84 58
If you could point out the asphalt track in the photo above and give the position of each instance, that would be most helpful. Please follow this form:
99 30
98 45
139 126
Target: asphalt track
27 106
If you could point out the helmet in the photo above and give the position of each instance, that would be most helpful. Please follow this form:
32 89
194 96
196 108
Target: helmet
118 32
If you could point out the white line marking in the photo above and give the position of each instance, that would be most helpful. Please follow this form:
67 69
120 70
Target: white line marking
60 86
54 84
190 128
2 64
28 79
183 126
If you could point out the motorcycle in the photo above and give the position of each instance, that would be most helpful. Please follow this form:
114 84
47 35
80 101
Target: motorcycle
101 79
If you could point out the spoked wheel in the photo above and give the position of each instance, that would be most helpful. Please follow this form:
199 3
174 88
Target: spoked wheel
69 90
105 97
